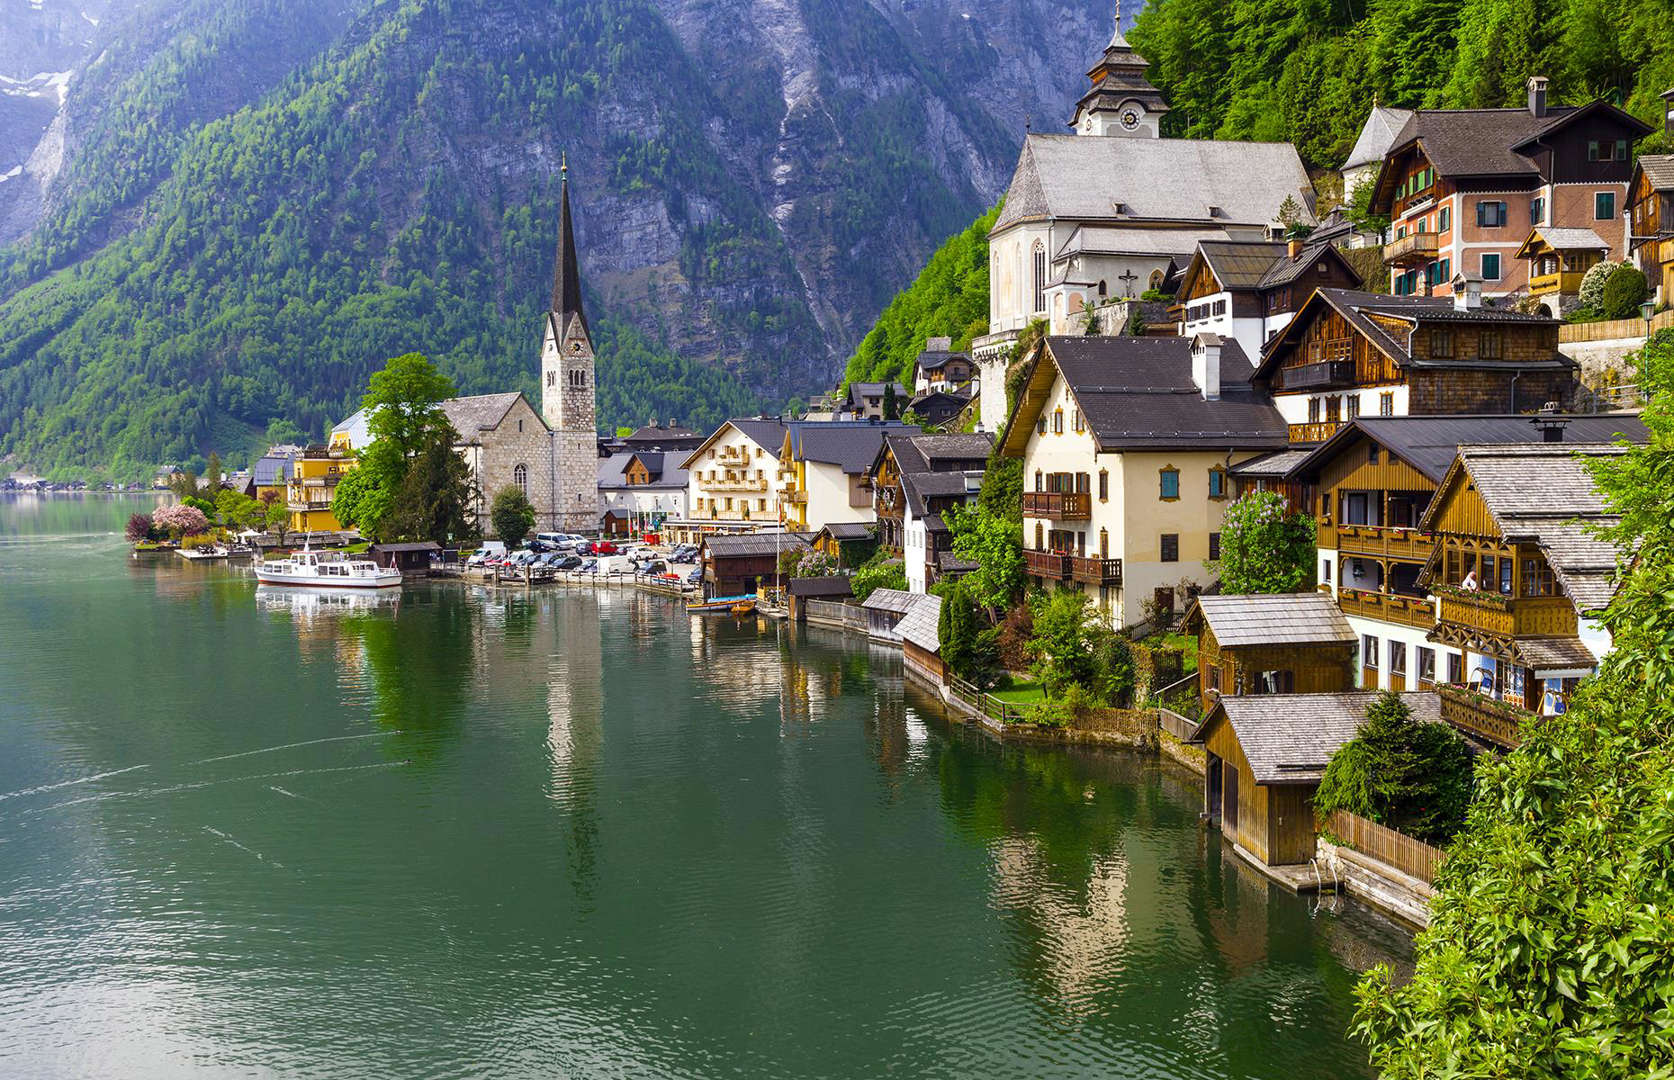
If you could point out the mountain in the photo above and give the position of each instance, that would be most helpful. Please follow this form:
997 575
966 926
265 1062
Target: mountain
250 204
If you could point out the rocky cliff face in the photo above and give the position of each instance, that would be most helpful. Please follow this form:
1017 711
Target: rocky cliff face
754 178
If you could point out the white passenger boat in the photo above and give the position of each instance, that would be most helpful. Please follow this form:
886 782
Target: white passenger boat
326 570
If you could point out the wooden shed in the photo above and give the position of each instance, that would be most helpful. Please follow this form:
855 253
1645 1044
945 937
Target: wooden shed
733 564
835 588
1288 643
1265 756
407 558
885 609
920 633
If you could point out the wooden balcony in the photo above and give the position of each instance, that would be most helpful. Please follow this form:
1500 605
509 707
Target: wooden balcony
1058 505
1392 608
1047 565
794 496
1502 616
1564 282
736 485
1413 248
1385 542
1316 432
1096 571
1324 375
1489 720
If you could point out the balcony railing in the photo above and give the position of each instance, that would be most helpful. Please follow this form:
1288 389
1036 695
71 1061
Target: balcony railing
1096 571
1507 616
1493 721
1385 542
736 485
1320 376
1058 505
794 496
1563 282
1316 432
1047 564
1388 607
1412 248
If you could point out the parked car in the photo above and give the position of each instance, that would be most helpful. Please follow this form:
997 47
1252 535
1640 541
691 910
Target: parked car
695 577
653 566
588 566
604 547
568 562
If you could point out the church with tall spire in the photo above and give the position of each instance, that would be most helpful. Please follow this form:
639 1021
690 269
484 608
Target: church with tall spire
568 383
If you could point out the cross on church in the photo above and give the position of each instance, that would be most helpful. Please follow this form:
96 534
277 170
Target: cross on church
1127 278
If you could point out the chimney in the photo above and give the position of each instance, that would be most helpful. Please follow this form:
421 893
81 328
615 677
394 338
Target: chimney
1537 95
1467 292
1549 423
1206 365
1294 247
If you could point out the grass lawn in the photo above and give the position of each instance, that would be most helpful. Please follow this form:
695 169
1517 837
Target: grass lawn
1021 693
1186 644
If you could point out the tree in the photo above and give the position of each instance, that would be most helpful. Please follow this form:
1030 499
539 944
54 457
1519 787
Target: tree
1264 547
512 515
1623 293
180 520
891 403
1359 208
365 495
879 573
403 404
434 499
275 514
238 510
1548 948
283 432
996 546
138 528
1062 646
970 651
212 475
1413 777
1113 668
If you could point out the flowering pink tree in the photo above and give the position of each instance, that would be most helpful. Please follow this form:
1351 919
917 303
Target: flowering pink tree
180 520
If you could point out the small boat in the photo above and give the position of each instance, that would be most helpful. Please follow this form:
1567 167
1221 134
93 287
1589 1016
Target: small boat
721 605
744 607
201 554
327 570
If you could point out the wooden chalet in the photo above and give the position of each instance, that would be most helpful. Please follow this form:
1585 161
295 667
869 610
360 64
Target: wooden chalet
1520 575
1248 290
915 479
1351 354
1557 261
1280 644
851 543
1650 214
733 565
1265 756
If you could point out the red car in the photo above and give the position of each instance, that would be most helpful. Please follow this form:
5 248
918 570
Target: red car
604 547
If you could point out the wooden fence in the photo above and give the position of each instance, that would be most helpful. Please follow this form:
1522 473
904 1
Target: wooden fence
1181 727
987 704
1612 329
1411 857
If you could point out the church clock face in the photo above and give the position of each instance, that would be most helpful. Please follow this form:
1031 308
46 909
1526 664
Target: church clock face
1130 119
575 346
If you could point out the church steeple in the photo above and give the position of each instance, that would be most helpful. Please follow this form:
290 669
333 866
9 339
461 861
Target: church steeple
566 280
1122 100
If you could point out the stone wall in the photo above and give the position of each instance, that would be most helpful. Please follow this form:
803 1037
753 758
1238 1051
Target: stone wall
520 439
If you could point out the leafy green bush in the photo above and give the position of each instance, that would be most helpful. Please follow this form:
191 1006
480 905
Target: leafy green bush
1063 709
1062 646
1591 293
880 573
1625 290
1410 776
512 514
1264 547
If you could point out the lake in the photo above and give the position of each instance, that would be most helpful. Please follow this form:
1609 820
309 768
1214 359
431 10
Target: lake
465 833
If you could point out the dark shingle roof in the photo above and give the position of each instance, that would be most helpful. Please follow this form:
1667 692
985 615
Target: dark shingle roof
1137 393
896 600
746 545
851 445
270 471
1310 618
1290 738
1241 265
922 623
850 530
1430 443
469 415
820 586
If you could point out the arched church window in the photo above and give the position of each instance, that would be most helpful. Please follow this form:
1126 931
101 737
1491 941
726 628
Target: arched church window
1040 278
1104 290
520 477
1156 279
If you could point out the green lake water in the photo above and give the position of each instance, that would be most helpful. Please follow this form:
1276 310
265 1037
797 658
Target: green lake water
459 833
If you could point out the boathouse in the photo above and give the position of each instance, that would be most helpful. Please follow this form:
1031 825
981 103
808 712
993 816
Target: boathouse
1289 643
833 589
920 634
1265 756
885 609
733 564
413 559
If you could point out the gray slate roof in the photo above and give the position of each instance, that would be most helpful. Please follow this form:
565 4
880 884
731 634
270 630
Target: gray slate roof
1310 618
1274 466
1430 443
1377 134
850 444
1659 170
896 600
1543 493
1573 239
270 471
1136 238
1290 738
664 475
850 530
1137 393
818 587
469 415
922 623
746 545
1175 180
1491 142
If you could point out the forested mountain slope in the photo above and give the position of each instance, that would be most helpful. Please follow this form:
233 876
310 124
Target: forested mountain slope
267 198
